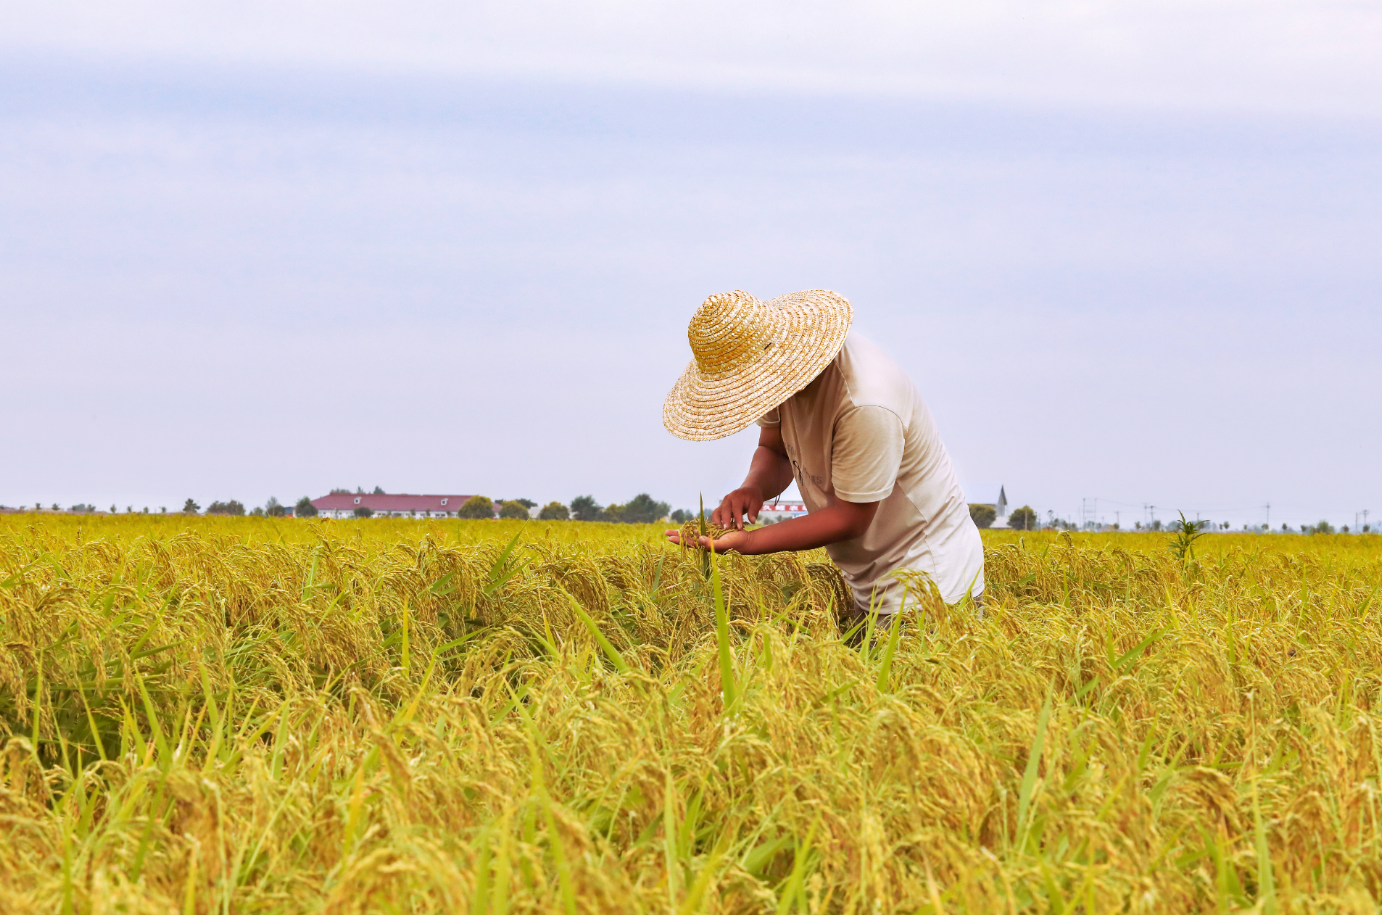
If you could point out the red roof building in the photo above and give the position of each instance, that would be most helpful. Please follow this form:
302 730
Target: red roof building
344 504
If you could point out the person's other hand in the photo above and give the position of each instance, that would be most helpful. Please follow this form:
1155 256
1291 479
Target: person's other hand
733 542
743 501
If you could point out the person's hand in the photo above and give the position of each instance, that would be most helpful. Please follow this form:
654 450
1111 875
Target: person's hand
732 542
746 500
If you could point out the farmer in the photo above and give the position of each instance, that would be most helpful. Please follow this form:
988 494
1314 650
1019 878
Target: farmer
847 423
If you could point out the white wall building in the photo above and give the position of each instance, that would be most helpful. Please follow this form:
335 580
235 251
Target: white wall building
781 510
989 494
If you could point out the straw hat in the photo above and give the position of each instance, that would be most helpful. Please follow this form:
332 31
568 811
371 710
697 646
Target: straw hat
751 356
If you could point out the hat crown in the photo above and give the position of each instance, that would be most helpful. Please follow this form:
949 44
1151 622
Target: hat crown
729 330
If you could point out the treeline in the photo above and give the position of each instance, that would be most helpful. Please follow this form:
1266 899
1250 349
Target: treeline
641 509
270 509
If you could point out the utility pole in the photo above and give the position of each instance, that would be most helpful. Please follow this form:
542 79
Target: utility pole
1269 516
1115 521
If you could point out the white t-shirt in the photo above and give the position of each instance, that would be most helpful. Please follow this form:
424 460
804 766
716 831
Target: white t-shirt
860 432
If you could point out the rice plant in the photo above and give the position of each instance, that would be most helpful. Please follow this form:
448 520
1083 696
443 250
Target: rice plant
261 715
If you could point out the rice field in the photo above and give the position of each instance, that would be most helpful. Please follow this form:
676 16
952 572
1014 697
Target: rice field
255 715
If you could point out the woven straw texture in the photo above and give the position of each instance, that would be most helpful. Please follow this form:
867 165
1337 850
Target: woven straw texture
751 356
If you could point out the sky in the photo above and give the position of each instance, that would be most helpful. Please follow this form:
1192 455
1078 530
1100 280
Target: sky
1127 251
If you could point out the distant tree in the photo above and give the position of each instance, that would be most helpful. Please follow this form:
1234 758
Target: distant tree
190 508
364 511
681 516
526 503
1023 519
340 492
554 511
477 507
378 491
273 509
233 507
113 509
585 508
641 509
515 510
983 515
1324 527
1344 529
257 512
304 508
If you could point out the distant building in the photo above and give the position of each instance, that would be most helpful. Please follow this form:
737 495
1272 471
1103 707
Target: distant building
989 494
779 510
344 504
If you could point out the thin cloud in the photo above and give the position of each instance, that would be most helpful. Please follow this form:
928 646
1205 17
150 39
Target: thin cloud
1297 56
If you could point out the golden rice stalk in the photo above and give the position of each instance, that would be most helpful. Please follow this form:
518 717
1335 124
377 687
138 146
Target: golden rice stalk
254 715
691 534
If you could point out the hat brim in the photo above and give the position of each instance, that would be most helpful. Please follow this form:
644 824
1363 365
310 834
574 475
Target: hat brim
808 330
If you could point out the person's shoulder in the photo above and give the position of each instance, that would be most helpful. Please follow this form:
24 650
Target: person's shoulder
872 378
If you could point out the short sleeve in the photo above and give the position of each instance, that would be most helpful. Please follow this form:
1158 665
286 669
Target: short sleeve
771 418
866 454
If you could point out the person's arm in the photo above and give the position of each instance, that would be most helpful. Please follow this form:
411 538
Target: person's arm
770 472
840 520
866 454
